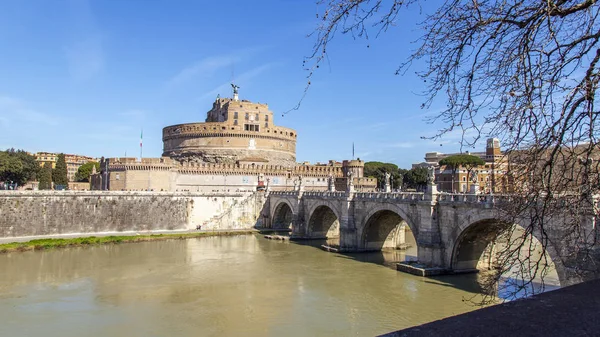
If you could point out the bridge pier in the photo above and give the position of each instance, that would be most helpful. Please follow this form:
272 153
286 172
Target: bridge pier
451 230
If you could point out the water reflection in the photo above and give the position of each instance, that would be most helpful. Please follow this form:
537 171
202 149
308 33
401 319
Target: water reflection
228 286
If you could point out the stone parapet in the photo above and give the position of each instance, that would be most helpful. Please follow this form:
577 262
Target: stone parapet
72 193
222 130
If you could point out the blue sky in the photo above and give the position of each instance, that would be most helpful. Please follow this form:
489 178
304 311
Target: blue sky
85 77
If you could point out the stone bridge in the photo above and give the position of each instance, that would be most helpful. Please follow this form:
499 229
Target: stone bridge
451 230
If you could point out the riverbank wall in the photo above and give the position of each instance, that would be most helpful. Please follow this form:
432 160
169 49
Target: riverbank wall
35 213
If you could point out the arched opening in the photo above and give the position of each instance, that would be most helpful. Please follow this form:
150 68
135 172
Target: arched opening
387 230
506 251
283 217
323 224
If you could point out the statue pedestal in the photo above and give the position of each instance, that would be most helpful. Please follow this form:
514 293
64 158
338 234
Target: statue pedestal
474 189
431 192
387 188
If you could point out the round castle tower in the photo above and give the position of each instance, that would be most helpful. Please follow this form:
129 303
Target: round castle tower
234 131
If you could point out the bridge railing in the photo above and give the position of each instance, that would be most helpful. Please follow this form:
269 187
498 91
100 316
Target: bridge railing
408 196
336 194
474 198
288 193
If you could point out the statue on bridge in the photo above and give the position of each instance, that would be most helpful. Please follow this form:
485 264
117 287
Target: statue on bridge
431 175
474 176
350 182
387 186
331 183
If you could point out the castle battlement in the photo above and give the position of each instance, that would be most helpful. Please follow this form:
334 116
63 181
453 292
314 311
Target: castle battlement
233 131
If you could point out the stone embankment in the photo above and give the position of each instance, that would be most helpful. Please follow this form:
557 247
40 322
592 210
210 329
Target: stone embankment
41 213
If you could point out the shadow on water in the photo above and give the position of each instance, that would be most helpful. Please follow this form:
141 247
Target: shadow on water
388 258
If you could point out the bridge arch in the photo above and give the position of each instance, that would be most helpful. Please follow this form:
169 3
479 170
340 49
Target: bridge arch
283 216
324 222
473 241
385 227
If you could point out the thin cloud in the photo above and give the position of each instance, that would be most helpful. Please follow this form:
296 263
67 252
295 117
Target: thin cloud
401 145
202 68
210 65
13 110
377 126
245 77
134 114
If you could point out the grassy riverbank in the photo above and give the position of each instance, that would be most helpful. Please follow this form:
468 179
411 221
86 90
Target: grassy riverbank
41 244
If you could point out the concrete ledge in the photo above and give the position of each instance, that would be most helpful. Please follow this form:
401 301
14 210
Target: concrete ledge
570 311
330 249
418 269
277 237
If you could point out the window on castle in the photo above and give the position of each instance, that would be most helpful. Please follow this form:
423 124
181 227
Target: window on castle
235 122
235 115
251 127
266 118
246 116
257 117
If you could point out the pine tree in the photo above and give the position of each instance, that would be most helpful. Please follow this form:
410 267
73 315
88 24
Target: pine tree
46 177
59 174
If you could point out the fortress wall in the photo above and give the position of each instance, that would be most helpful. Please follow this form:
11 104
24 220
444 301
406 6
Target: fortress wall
62 212
229 149
243 182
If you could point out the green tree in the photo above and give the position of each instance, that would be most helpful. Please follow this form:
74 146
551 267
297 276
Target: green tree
31 167
469 162
375 169
59 174
401 174
416 178
18 166
46 177
84 171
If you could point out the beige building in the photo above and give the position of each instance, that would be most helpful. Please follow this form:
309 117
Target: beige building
237 148
73 161
490 177
46 157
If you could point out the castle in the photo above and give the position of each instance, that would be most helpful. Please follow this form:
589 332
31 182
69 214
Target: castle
237 148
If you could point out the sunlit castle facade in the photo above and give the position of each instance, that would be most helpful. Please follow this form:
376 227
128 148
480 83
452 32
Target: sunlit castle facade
235 131
237 148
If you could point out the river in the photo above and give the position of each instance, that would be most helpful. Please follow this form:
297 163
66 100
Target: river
218 286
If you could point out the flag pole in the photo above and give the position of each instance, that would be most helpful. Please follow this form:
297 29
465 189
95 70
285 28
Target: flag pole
141 144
